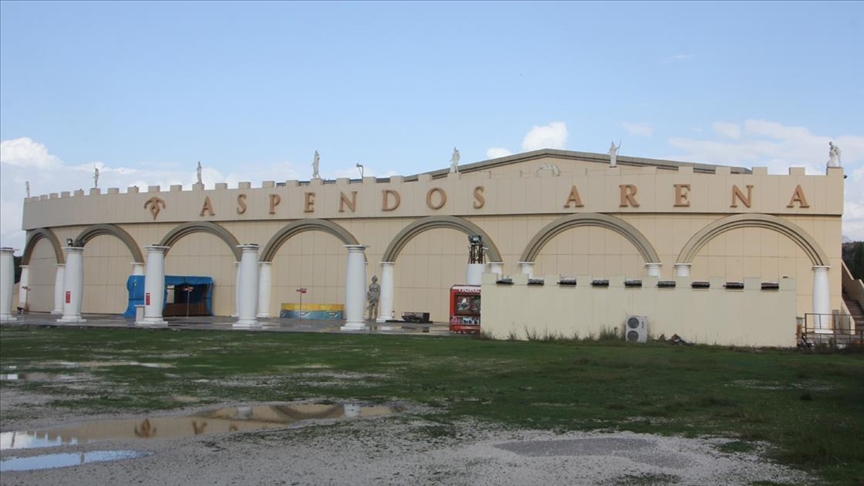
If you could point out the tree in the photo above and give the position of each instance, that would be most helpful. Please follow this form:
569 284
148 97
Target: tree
853 256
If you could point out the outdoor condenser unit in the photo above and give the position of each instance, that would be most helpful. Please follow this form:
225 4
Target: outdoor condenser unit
636 329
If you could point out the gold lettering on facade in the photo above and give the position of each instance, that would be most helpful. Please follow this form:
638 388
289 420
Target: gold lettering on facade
573 199
154 203
682 193
309 202
479 198
275 199
738 195
628 195
442 196
798 196
385 199
208 207
241 203
344 201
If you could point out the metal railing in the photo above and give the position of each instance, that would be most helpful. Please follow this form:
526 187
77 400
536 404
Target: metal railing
834 330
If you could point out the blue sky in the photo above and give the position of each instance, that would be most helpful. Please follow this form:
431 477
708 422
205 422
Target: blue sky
145 90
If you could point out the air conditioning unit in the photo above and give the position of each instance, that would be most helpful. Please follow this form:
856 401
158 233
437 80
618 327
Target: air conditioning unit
636 329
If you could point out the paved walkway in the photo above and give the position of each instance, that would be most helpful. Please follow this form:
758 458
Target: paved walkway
226 324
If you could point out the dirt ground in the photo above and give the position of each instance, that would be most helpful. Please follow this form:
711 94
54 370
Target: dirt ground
404 448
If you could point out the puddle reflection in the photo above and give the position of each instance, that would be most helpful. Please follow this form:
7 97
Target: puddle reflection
237 419
50 461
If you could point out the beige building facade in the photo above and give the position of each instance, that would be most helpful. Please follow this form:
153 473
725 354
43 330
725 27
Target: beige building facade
546 212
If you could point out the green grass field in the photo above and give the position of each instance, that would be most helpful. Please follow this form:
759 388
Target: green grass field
810 407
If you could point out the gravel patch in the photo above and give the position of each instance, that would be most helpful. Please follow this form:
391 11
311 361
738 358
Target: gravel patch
408 448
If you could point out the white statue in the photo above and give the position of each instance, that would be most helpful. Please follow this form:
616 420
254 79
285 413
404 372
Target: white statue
454 161
315 166
95 177
613 153
198 172
27 185
833 155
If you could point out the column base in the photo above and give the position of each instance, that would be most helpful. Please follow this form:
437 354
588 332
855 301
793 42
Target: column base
263 315
354 326
384 319
152 322
57 312
246 324
70 320
8 318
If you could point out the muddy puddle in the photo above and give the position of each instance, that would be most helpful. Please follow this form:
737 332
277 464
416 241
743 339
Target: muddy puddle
50 461
224 420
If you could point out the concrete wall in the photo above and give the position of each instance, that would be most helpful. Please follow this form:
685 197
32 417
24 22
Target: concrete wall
508 200
747 317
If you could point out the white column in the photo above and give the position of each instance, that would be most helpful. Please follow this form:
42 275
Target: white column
236 290
682 269
474 273
264 282
154 287
137 268
247 307
7 284
24 287
653 269
821 300
355 288
59 277
385 302
496 267
73 285
526 268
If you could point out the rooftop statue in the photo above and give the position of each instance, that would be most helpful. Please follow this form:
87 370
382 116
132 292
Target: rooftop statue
454 160
613 154
833 155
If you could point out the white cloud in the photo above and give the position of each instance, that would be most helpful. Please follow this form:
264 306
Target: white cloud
496 152
731 130
778 147
641 129
553 135
24 152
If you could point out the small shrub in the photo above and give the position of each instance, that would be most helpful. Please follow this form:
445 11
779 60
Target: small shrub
609 334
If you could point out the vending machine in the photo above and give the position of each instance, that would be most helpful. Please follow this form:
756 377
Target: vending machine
465 309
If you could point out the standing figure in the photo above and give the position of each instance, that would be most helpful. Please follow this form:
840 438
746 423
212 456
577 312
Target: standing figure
833 155
372 296
613 154
198 172
315 166
27 185
96 177
454 160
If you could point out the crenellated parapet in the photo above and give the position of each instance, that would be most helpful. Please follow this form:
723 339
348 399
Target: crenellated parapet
500 187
